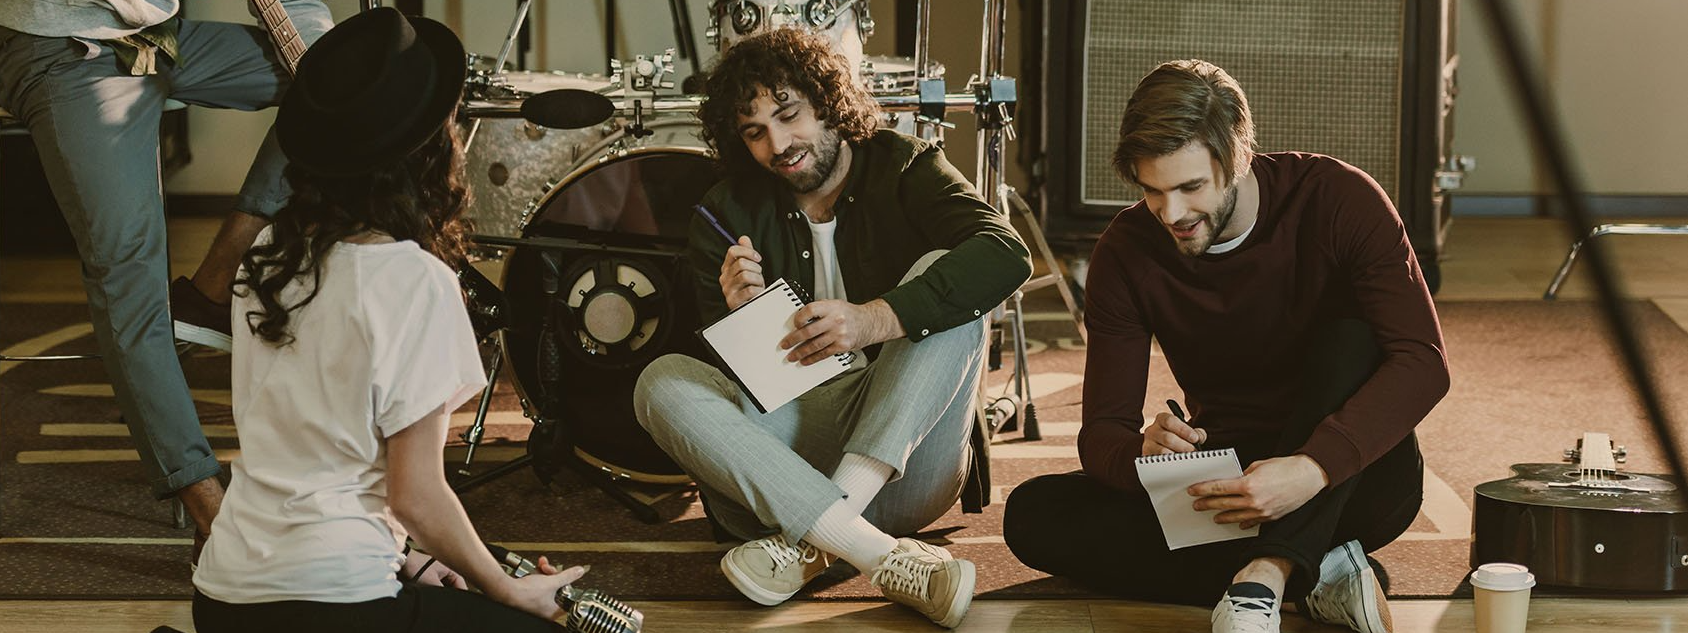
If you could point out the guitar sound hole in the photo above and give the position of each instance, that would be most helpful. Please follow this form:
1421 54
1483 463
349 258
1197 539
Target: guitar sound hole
1577 474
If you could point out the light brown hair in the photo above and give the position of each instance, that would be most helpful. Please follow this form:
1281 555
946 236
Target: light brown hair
1186 101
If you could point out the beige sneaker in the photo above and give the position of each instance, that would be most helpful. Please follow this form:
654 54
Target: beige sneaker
914 577
770 570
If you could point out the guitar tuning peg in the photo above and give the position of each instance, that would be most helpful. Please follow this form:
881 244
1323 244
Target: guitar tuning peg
1620 454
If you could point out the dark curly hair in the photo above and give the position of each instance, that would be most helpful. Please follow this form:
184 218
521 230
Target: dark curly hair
420 197
782 58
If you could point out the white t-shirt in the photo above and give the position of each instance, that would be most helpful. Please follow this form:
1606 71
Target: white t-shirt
385 342
829 280
1230 244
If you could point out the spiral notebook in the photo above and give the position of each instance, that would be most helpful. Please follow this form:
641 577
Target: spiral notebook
1167 479
747 340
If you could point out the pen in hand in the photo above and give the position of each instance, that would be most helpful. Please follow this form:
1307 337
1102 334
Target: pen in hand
710 218
1178 412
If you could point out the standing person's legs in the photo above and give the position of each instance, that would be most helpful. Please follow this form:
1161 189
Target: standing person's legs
264 191
96 129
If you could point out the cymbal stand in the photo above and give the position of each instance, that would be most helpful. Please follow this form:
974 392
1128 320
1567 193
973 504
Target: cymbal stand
995 96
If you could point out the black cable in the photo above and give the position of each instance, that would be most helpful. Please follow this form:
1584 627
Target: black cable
1550 145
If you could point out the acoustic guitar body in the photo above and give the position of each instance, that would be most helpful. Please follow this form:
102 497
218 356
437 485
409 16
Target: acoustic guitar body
1629 534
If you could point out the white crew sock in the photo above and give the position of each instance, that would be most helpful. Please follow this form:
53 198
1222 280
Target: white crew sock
860 477
845 534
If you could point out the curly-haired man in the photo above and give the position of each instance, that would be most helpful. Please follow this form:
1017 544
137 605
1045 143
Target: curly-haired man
904 259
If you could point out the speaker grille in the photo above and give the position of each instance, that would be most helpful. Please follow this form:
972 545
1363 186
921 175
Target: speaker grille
1321 76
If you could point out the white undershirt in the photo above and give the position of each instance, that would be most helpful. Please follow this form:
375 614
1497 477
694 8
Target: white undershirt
1230 244
829 280
385 342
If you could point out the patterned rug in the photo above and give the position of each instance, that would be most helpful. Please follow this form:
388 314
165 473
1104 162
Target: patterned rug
1529 377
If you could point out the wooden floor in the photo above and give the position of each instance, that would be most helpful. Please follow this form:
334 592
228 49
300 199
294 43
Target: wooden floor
1484 259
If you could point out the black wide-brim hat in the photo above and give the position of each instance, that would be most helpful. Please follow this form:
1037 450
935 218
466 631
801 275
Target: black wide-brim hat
372 90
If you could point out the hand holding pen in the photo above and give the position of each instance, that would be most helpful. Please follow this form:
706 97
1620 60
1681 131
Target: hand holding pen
741 269
1171 433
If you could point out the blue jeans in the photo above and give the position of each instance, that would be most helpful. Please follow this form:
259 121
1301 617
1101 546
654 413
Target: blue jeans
96 129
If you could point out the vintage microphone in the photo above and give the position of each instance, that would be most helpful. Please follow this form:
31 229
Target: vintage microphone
589 610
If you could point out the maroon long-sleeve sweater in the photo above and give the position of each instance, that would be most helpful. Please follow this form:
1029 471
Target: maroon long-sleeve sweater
1327 244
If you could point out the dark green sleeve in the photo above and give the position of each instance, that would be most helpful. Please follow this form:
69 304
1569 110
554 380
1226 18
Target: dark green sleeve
986 260
705 249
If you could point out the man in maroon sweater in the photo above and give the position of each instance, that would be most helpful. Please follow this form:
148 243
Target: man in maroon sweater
1285 296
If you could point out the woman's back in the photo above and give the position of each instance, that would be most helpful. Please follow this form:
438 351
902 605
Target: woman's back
384 342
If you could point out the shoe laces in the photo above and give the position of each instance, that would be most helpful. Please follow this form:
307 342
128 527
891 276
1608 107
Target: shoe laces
785 554
1329 603
904 572
1252 615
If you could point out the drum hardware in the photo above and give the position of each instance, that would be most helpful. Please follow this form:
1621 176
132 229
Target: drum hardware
746 17
549 446
644 75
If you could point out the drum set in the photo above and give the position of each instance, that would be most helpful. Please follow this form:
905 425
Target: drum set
583 186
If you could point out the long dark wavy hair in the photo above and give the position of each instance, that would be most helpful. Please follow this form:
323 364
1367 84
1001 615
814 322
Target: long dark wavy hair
420 197
782 58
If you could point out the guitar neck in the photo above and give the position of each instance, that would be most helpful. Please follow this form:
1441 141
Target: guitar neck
289 47
1595 461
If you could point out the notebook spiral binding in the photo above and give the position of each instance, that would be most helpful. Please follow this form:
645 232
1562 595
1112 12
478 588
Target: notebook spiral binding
1178 457
800 297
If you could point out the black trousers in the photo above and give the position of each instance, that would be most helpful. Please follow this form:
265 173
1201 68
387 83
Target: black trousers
1074 526
416 609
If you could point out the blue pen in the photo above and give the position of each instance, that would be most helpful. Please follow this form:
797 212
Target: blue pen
715 223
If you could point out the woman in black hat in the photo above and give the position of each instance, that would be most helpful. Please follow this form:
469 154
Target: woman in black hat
356 350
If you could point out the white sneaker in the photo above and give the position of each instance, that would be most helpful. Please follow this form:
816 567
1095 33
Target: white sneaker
940 589
1348 592
1245 614
770 570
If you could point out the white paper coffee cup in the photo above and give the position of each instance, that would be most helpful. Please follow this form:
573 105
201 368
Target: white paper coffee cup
1502 596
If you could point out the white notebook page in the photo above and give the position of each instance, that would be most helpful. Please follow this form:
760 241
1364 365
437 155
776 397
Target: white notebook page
748 341
1167 479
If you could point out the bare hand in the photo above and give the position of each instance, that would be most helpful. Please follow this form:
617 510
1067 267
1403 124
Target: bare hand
537 593
741 273
1268 490
436 574
824 328
1171 435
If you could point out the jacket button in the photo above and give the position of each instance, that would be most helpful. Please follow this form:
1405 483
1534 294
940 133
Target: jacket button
805 254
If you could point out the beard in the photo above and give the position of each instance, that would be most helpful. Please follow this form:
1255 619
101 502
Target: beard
825 155
1217 221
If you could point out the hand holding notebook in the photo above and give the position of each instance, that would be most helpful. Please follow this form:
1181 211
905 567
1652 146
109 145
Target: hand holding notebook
747 340
1167 479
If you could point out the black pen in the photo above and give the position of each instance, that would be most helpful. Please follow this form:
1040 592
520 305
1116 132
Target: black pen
708 217
1178 412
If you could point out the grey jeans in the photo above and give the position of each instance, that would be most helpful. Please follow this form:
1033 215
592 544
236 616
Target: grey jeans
96 128
911 408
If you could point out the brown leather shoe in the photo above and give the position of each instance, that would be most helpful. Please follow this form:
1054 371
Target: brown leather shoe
197 318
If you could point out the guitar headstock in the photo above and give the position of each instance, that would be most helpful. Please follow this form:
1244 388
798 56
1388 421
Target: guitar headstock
1619 453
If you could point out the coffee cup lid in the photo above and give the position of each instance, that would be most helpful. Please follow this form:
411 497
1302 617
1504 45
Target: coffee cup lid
1503 577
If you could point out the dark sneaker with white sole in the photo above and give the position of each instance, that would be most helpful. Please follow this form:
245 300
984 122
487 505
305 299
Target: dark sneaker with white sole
198 319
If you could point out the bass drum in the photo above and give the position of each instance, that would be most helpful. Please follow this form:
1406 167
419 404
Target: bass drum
621 296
